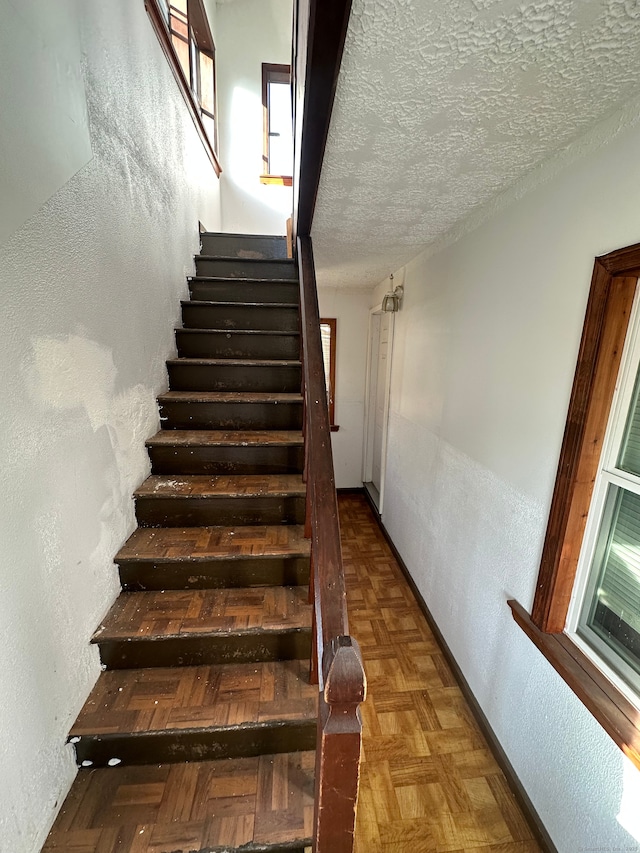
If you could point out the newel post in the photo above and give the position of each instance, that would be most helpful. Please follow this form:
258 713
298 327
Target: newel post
338 751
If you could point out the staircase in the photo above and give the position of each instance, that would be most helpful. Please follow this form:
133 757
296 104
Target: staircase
200 732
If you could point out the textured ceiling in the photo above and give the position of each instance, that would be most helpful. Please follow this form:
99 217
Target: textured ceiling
442 105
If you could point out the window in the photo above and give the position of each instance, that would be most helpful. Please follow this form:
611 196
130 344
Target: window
184 33
328 336
277 153
586 612
605 607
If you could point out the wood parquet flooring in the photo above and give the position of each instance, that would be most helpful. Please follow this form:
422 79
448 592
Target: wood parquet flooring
198 806
222 438
176 612
429 783
229 485
160 698
203 543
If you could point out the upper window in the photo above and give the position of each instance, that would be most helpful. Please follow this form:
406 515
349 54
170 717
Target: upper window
277 150
328 336
185 35
586 611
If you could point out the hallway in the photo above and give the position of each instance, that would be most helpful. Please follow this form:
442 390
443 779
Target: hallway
429 783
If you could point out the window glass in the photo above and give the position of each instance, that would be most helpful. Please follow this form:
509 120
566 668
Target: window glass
610 617
630 450
280 129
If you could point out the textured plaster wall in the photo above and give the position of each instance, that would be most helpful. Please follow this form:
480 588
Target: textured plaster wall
483 360
90 282
350 308
249 32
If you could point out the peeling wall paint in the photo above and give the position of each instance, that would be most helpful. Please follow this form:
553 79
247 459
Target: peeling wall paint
485 347
89 293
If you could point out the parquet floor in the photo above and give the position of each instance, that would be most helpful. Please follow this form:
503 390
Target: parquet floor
161 698
429 782
176 612
201 543
188 807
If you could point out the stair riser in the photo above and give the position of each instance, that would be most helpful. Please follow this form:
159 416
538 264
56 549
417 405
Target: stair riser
236 345
227 460
215 574
198 651
171 747
196 512
244 291
231 415
201 377
243 246
260 318
243 268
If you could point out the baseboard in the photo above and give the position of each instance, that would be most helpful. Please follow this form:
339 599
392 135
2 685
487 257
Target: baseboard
531 815
356 490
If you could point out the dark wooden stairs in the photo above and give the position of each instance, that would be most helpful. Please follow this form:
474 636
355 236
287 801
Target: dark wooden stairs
199 735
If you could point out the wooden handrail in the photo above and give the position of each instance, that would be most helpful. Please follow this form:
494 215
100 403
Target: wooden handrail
336 661
319 31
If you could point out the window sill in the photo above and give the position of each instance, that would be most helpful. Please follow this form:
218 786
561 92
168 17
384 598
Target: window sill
164 38
276 180
609 706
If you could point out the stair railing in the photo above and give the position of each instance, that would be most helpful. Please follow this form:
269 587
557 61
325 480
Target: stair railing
336 663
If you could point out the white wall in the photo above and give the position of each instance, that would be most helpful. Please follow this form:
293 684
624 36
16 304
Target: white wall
249 32
484 353
92 267
350 308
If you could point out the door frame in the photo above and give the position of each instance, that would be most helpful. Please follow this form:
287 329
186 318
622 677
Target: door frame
369 397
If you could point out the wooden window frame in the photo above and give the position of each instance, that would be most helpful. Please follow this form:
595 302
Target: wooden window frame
199 25
613 286
332 323
271 72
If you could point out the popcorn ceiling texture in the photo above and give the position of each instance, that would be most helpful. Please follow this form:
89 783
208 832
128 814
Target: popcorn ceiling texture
444 105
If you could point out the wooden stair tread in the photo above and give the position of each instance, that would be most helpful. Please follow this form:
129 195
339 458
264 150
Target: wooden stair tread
209 543
194 331
244 279
224 805
128 701
207 257
227 304
205 612
226 438
228 397
238 362
220 485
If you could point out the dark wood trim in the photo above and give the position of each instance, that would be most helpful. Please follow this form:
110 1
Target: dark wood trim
617 716
319 34
622 261
200 25
338 668
605 327
530 814
164 37
354 490
613 285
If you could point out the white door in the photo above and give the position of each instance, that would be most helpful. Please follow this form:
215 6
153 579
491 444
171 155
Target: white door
377 405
